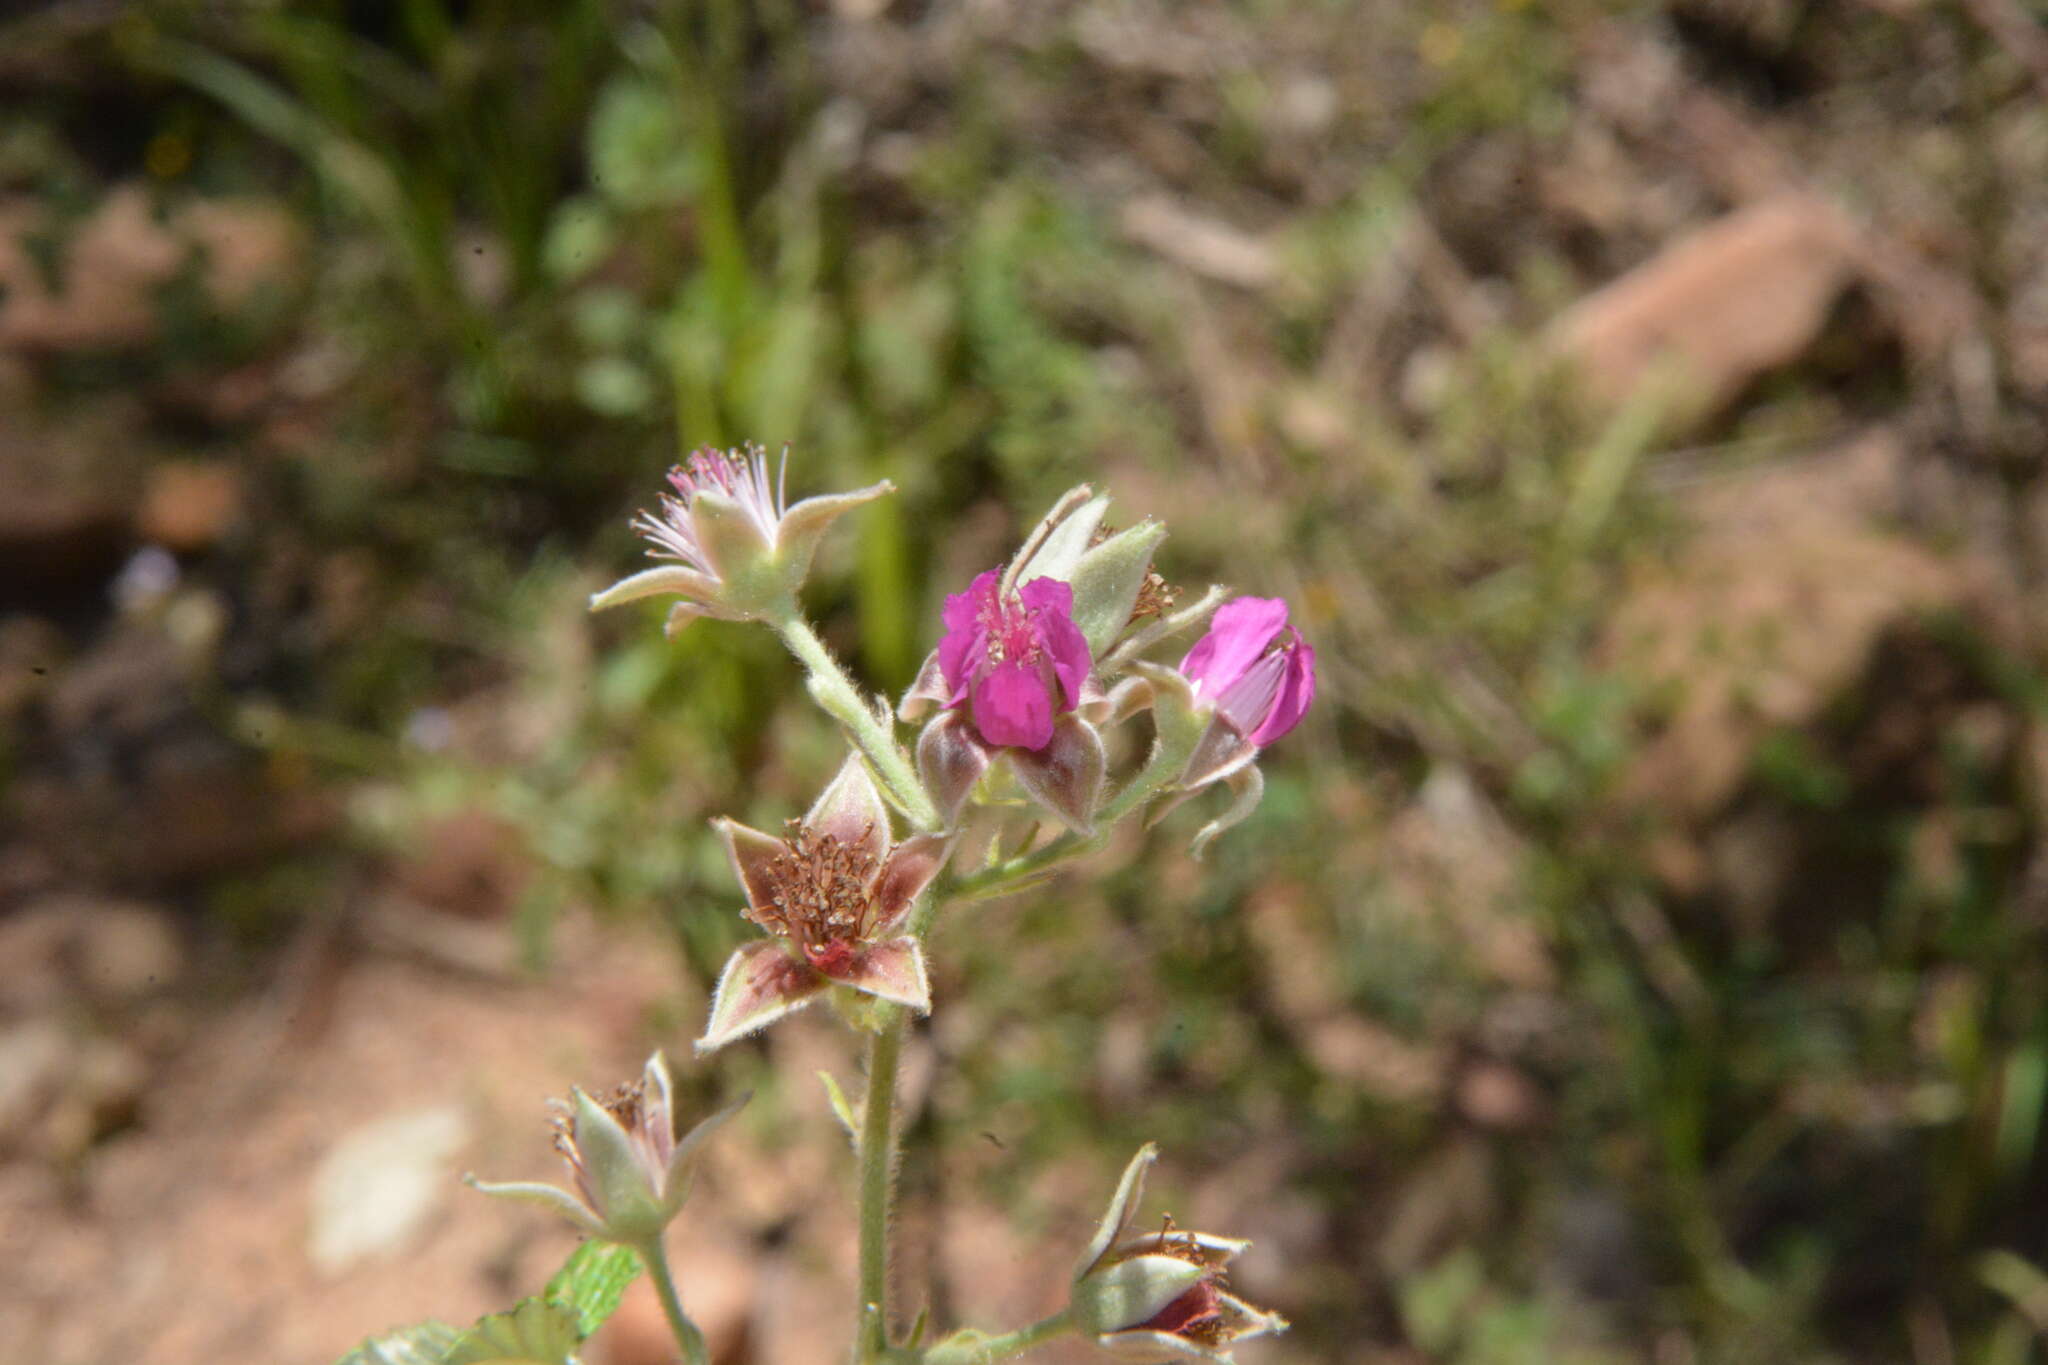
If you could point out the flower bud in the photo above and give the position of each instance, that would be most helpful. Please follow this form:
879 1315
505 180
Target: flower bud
631 1172
1159 1295
738 551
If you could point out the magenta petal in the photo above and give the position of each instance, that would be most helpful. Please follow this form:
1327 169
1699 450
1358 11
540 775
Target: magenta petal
1048 595
761 983
1249 700
1012 707
1066 644
1297 690
1238 635
891 971
962 616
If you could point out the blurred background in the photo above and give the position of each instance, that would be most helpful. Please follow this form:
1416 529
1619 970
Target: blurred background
1641 953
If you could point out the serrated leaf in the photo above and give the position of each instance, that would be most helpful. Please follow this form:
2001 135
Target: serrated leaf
592 1281
536 1332
423 1343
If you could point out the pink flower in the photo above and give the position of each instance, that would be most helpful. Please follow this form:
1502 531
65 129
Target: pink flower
1013 659
1254 668
833 893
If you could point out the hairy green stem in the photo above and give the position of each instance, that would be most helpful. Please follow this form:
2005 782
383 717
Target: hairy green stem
695 1352
877 1160
987 1350
876 740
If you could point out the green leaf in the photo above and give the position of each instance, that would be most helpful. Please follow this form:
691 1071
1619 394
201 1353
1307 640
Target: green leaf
593 1281
841 1108
536 1332
423 1343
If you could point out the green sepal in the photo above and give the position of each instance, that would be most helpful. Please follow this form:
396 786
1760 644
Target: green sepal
750 578
535 1332
592 1281
1056 544
626 1199
423 1343
1107 579
1131 1292
1122 1205
860 1011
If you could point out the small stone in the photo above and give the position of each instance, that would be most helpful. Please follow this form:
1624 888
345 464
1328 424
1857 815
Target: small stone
120 950
378 1186
33 1055
189 504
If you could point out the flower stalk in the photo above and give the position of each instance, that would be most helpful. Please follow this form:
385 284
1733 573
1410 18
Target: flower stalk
873 735
688 1336
877 1181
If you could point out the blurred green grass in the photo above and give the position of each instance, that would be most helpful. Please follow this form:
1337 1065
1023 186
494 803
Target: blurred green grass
551 239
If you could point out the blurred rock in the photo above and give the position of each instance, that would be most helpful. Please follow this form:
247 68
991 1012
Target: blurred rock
100 291
1771 608
379 1183
189 504
119 950
113 950
1454 864
30 649
33 1056
64 522
1496 1095
1715 309
470 863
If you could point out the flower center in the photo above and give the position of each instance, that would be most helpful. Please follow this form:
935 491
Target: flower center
1010 628
819 897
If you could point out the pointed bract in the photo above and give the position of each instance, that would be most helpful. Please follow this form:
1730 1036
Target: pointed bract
892 970
1123 1206
804 525
908 870
1107 580
761 983
658 581
950 760
689 1153
1058 539
552 1198
851 810
1065 776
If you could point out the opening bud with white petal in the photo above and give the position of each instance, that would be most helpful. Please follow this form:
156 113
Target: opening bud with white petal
736 550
